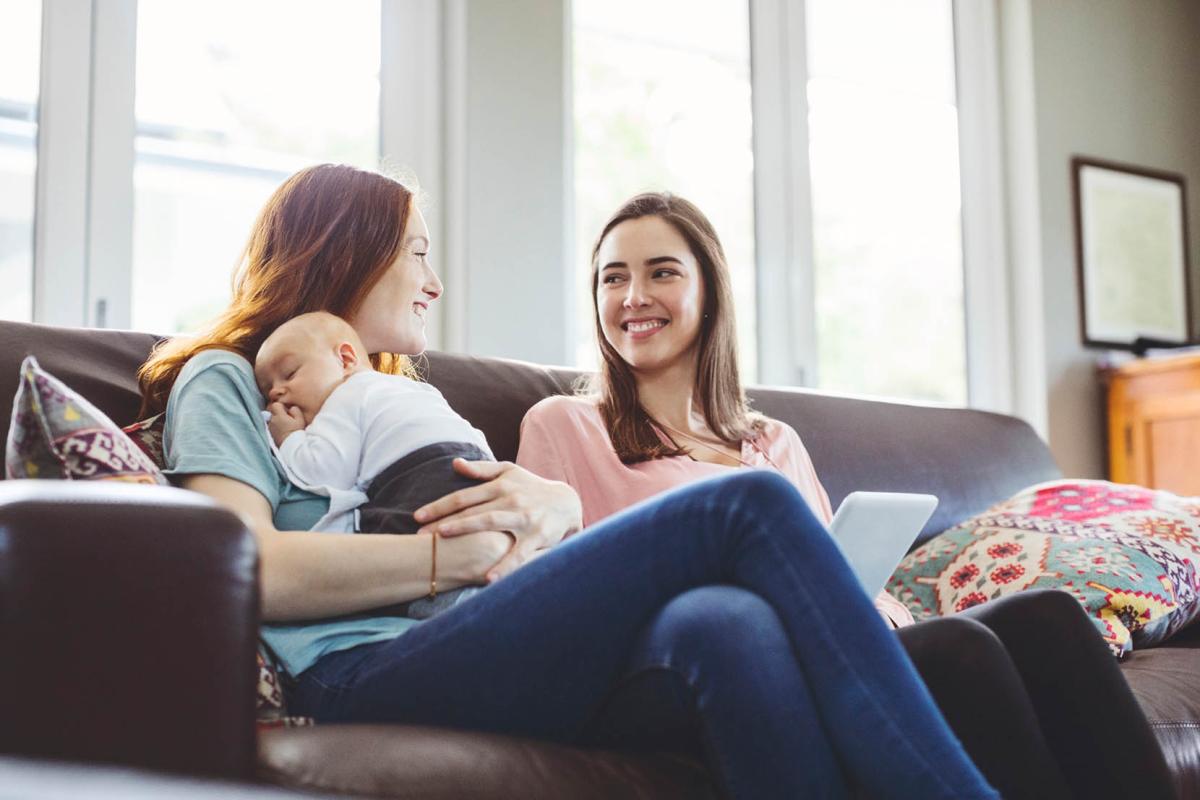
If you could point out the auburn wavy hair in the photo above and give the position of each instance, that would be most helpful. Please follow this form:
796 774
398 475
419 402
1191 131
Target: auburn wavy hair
718 385
322 241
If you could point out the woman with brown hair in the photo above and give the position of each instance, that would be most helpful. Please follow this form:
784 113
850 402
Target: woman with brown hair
1025 682
693 637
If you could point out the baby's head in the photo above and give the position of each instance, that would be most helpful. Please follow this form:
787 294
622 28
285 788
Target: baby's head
306 358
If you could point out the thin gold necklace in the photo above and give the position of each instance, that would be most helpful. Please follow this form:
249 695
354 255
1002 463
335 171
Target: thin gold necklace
716 450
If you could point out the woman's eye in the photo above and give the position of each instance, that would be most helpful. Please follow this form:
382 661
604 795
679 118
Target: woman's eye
664 273
612 278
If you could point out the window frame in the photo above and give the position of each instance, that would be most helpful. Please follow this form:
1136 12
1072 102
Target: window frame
83 241
783 197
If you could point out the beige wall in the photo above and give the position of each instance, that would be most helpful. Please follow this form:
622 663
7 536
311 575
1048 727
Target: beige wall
1113 79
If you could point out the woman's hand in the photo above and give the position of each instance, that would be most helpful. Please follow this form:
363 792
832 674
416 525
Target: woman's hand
537 512
467 559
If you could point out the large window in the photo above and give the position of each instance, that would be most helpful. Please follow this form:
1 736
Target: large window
232 97
662 102
883 131
20 54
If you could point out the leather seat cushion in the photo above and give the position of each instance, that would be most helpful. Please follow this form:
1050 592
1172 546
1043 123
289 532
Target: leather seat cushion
1166 682
403 761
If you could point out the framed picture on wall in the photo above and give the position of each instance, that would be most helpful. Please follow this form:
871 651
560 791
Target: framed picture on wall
1132 253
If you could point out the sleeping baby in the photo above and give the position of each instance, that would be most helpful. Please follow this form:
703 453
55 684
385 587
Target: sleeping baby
340 425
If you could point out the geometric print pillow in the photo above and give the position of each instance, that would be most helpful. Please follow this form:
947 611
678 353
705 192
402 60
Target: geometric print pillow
1126 553
269 710
147 434
55 433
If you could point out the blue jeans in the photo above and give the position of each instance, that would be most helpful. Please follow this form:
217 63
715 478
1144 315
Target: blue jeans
720 615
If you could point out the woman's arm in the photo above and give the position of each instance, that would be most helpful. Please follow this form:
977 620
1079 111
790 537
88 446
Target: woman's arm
311 575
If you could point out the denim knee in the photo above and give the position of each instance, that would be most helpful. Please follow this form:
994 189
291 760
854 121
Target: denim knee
763 484
719 627
761 489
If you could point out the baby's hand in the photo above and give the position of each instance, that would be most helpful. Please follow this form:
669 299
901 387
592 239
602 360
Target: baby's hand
285 420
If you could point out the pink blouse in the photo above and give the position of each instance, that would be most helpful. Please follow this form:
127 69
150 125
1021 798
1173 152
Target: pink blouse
564 439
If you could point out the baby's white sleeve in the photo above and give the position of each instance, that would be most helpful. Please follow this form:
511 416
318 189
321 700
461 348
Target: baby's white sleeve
327 452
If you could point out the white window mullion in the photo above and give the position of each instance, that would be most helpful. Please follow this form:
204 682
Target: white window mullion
1024 273
984 221
60 221
110 185
455 223
83 231
787 338
410 113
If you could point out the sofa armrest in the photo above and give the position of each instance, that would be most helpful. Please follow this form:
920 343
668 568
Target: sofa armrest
128 627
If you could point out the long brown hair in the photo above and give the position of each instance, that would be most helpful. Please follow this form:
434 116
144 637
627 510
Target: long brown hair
718 385
321 242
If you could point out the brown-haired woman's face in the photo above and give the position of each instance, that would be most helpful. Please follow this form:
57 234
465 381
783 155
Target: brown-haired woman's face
392 316
649 294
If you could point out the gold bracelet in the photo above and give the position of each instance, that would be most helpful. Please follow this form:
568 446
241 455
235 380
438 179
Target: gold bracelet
433 569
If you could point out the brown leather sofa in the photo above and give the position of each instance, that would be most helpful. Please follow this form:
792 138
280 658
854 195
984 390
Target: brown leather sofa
128 613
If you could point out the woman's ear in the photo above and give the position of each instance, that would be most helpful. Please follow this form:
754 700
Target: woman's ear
348 357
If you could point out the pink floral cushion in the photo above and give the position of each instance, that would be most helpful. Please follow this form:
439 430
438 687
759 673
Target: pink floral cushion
1126 553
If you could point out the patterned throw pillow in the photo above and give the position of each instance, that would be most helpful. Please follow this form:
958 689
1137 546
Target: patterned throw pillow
55 433
147 434
1126 553
269 709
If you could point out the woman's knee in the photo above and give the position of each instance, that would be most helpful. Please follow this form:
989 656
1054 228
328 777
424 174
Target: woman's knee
1042 626
1051 611
765 485
956 645
714 623
759 491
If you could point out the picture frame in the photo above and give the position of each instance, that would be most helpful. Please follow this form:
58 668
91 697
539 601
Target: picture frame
1131 249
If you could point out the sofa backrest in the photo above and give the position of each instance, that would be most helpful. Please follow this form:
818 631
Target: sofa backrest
970 459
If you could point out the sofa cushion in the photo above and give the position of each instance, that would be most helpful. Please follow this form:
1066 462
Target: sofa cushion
56 433
411 762
1124 552
100 364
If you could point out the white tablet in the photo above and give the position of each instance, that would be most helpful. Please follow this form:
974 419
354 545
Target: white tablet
875 529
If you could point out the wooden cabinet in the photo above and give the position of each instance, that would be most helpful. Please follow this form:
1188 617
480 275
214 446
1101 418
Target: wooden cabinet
1154 423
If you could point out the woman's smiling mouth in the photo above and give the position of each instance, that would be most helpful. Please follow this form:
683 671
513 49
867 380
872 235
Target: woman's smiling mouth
643 328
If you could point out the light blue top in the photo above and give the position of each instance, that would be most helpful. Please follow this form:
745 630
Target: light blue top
214 425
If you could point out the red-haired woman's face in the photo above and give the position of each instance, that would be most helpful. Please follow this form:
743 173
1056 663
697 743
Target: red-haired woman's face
649 294
392 316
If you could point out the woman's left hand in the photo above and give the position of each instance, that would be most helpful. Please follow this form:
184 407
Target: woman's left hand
536 511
